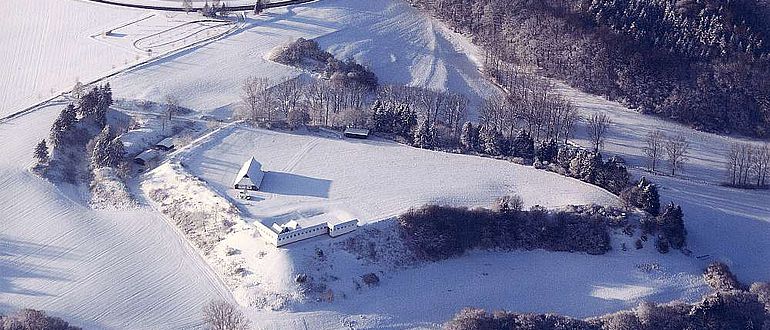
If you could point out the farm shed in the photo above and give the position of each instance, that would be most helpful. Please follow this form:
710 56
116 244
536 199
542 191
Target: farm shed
250 176
356 133
165 144
146 157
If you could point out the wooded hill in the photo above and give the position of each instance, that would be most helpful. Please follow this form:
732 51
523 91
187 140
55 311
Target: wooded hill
700 62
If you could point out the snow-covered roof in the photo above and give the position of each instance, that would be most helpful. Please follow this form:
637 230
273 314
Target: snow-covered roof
167 143
252 170
293 225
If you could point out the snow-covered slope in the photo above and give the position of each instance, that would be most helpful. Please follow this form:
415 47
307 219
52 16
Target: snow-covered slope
46 47
732 225
97 269
399 43
375 180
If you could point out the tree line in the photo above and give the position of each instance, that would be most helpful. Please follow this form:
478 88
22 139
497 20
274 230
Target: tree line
32 319
439 232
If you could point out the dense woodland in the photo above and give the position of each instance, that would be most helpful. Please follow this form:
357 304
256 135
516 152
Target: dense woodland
700 62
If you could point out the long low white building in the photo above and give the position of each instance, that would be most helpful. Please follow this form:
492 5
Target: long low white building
292 231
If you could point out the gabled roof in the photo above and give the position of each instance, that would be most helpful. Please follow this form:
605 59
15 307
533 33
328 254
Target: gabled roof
251 169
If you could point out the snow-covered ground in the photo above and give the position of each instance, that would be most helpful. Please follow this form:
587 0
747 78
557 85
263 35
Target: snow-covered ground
130 269
729 224
46 48
394 39
46 55
98 268
372 179
376 180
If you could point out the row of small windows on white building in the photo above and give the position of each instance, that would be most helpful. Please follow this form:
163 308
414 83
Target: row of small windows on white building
298 234
345 226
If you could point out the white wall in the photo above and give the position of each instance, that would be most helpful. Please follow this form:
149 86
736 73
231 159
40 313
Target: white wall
303 233
343 228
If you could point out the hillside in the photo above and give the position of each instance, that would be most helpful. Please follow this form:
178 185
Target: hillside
95 268
391 37
710 56
139 267
47 55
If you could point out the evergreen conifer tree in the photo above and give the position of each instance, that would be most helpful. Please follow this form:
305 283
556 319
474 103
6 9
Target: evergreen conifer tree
523 146
671 224
41 152
466 137
423 135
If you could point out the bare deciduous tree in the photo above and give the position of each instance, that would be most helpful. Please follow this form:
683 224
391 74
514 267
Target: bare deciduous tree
748 164
654 147
456 109
288 95
431 103
762 164
220 315
317 96
598 125
78 91
187 5
258 99
571 117
170 109
676 151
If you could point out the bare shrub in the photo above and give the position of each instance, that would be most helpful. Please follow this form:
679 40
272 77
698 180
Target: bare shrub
370 279
509 203
221 315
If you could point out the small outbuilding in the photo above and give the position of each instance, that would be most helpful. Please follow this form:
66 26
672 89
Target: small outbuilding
356 133
165 144
250 176
146 156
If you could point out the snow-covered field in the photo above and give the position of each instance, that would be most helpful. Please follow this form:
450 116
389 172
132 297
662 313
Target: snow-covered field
732 225
129 268
97 268
376 180
373 179
394 39
45 54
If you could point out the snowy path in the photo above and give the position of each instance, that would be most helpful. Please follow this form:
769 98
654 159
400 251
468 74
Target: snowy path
99 269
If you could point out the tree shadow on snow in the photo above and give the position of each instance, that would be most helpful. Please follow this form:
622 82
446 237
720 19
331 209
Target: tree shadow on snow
14 266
